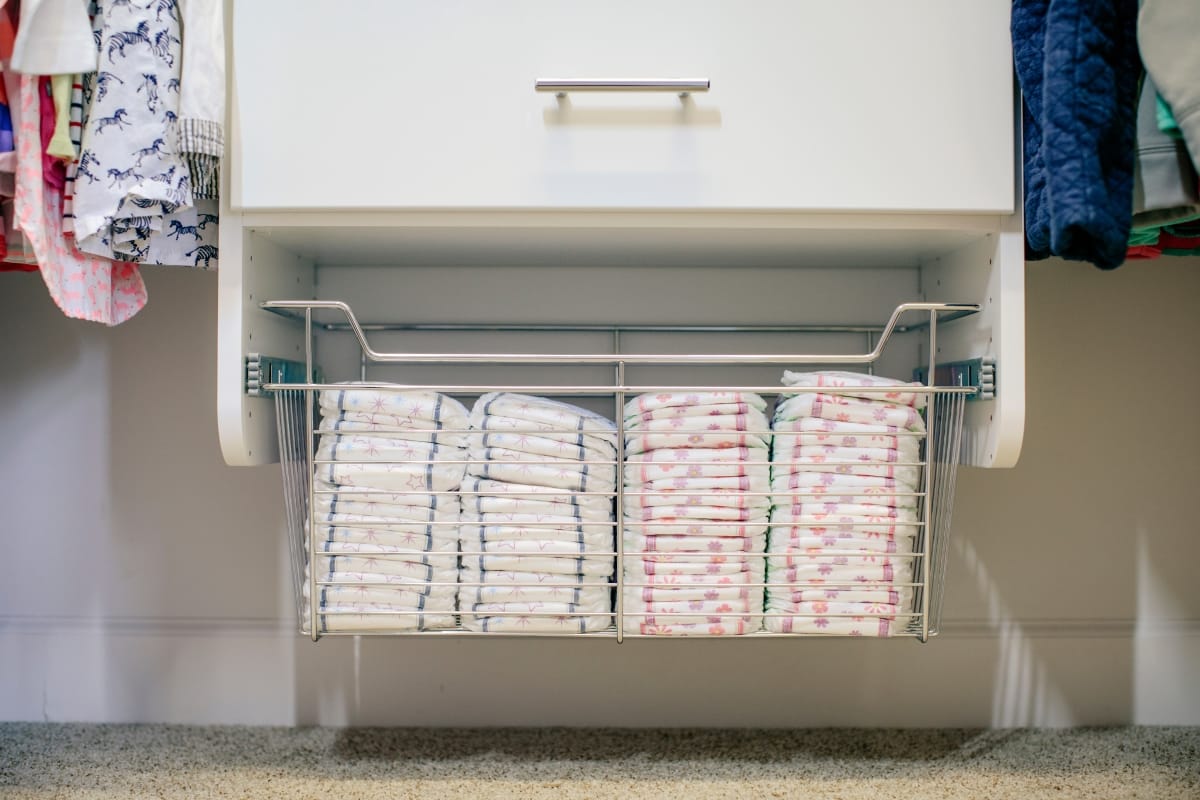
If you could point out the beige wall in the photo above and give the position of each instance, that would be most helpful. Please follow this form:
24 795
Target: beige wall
145 580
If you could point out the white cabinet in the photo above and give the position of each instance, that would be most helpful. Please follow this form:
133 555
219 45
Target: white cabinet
394 154
863 106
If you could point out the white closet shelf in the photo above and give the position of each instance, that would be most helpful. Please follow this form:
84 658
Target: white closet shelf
601 238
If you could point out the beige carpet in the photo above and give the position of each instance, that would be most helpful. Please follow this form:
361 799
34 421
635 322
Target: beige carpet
121 761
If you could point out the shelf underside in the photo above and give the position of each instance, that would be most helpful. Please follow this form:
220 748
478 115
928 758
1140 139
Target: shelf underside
631 240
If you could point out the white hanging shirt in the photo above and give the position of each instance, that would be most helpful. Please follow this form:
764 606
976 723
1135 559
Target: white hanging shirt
54 37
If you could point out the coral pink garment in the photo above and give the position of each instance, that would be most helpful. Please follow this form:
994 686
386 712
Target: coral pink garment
84 287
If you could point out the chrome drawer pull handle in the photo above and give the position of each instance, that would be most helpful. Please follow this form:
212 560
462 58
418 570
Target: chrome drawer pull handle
684 86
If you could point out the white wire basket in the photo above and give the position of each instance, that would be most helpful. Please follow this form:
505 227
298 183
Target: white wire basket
387 547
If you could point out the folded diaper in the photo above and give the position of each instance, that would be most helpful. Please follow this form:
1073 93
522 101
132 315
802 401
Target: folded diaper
575 447
699 513
847 409
843 380
499 539
536 624
566 478
899 596
392 429
404 536
788 522
473 487
440 409
427 567
565 528
837 608
511 607
639 499
365 619
732 570
636 442
696 528
434 599
639 419
811 430
694 544
557 416
560 472
719 613
654 464
883 448
863 560
504 504
372 447
756 482
649 626
534 547
388 505
753 421
401 476
636 596
858 508
651 402
445 549
806 575
487 589
815 545
579 564
808 487
907 475
881 627
598 598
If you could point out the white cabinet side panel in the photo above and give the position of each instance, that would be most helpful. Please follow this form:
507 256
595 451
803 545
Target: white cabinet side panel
253 269
992 273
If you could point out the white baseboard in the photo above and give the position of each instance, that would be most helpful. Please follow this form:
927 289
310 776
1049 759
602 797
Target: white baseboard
259 671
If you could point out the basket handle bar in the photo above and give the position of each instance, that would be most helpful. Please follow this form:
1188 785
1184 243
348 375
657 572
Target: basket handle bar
954 310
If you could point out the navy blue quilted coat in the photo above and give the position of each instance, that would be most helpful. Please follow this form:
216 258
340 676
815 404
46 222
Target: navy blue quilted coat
1077 63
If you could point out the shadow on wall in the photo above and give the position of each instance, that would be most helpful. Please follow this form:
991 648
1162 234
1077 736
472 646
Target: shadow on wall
53 412
1079 559
193 535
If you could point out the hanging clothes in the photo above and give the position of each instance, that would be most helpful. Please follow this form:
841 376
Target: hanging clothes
1168 33
75 131
133 194
83 286
1077 63
1166 189
202 94
54 37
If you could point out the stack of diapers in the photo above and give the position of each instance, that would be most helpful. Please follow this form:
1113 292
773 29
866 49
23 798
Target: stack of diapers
694 533
537 526
381 463
845 509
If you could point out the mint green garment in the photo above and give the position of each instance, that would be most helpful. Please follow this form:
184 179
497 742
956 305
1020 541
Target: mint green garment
1166 189
1139 237
1166 119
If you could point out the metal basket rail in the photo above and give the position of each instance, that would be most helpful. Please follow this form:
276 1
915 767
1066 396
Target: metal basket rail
915 574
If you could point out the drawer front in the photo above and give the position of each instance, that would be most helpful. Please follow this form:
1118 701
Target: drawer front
864 105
